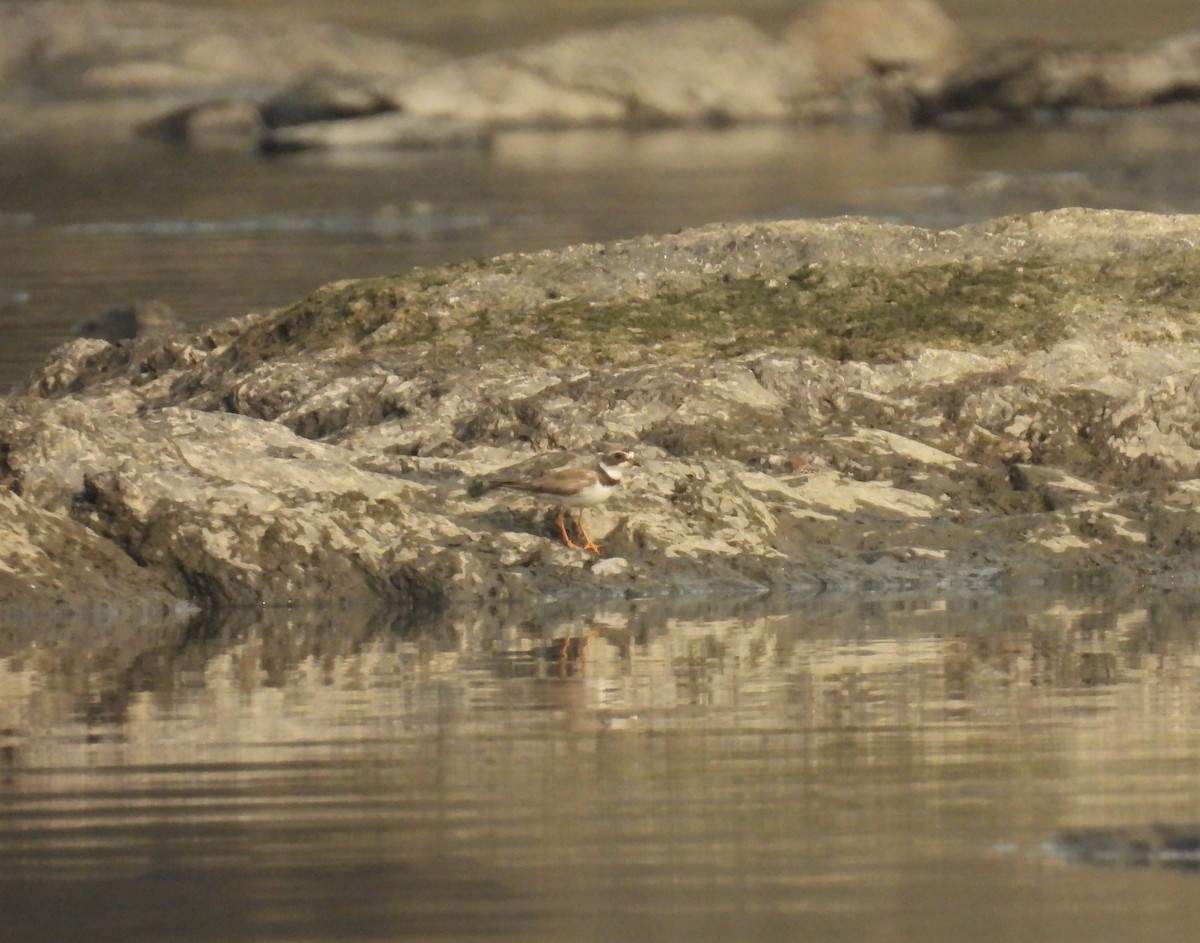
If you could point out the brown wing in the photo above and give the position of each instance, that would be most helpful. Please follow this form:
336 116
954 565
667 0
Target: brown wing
560 483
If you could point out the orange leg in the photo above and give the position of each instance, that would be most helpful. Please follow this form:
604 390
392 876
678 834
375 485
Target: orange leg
562 529
589 544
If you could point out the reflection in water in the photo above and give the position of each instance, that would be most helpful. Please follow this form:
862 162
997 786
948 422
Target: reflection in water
821 769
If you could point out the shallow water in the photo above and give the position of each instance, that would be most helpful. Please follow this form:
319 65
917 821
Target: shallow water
830 769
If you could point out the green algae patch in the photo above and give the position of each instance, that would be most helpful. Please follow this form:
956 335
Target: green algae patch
346 313
857 314
846 313
870 313
332 316
860 312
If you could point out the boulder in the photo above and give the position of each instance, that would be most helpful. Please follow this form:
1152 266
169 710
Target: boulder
852 40
695 69
166 70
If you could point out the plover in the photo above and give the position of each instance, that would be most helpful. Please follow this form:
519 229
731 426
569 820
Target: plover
575 488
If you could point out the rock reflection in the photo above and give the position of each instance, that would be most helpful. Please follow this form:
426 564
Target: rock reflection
354 775
767 656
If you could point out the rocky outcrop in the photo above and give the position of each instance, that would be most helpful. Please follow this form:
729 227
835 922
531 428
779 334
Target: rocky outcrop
829 403
184 494
878 58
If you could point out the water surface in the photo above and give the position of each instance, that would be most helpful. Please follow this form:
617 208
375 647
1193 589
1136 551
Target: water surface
830 769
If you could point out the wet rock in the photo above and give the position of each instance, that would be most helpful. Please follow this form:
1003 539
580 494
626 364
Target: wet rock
322 98
237 511
394 130
125 322
816 403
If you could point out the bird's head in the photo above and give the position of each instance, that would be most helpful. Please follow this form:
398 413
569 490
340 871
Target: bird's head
616 462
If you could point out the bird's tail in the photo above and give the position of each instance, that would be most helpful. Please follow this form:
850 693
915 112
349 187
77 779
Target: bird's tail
482 486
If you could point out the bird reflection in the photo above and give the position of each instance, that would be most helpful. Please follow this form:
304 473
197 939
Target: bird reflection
570 654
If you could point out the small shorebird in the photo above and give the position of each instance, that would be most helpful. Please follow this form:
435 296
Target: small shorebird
577 488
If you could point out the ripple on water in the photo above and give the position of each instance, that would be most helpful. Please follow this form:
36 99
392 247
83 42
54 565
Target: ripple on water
831 770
